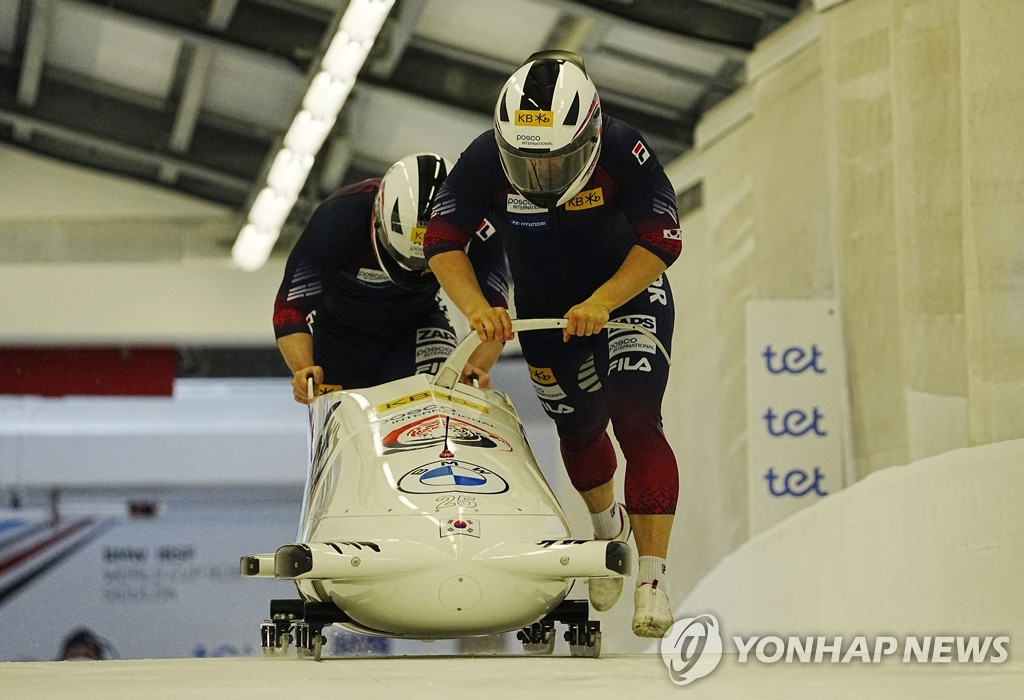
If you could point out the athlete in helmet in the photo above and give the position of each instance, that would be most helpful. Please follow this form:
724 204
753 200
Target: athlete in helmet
358 305
591 226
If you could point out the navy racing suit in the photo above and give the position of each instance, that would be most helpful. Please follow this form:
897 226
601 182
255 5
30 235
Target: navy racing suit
366 329
558 257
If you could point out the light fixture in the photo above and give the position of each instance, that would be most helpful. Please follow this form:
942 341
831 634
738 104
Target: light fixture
321 105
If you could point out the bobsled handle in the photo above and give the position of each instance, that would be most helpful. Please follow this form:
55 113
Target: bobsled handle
451 371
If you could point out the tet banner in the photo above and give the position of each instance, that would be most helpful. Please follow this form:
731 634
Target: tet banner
796 407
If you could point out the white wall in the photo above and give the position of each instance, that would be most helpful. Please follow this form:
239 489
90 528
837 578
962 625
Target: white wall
930 548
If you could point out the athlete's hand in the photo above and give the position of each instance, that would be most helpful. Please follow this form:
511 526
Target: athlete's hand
471 372
300 384
491 323
587 318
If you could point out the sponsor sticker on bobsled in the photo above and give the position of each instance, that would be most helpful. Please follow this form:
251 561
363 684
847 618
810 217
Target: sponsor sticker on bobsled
434 430
428 394
452 475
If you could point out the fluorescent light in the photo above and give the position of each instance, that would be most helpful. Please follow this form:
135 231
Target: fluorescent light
289 171
326 95
252 247
321 105
345 56
308 133
270 209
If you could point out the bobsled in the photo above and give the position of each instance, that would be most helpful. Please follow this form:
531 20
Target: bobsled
426 516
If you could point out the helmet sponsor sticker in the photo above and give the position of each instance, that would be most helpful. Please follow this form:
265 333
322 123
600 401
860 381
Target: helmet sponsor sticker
534 117
452 475
417 234
586 200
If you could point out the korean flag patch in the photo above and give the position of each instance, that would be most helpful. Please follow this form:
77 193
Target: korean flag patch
640 152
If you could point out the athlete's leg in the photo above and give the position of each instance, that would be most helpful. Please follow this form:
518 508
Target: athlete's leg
569 389
567 383
635 376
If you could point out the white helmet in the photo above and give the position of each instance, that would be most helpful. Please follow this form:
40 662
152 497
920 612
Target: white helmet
401 210
548 126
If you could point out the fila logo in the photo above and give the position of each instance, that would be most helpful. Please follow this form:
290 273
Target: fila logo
560 408
625 364
640 152
486 230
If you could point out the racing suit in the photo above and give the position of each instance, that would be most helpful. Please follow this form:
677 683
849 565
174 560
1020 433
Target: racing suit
557 258
366 329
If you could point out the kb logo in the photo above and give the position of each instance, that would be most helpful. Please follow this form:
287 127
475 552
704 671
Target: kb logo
692 648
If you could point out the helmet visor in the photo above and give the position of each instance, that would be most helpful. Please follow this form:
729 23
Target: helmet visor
550 173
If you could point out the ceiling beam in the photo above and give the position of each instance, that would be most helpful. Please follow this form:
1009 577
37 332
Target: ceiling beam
34 58
199 65
399 27
575 7
762 9
180 33
119 149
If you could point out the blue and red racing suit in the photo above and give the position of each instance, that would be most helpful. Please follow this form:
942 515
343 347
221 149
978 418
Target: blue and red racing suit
367 330
558 257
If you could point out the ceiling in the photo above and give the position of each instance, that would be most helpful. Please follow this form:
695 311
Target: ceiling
196 95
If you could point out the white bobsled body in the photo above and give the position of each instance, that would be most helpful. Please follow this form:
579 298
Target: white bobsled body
427 516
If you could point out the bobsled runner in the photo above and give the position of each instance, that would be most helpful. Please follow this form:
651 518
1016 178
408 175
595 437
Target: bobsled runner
427 516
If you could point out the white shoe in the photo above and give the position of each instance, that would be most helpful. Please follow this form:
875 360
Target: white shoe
653 614
605 591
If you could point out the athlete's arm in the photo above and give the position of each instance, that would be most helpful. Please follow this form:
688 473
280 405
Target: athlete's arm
637 272
297 351
455 274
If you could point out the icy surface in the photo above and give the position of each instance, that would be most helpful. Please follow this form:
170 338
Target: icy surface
498 677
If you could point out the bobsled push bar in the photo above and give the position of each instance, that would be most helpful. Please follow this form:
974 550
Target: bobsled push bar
451 371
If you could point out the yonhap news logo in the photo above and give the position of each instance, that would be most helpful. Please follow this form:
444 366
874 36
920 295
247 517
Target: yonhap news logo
693 648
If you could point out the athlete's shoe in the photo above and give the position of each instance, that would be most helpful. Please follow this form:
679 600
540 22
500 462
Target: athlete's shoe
605 591
653 614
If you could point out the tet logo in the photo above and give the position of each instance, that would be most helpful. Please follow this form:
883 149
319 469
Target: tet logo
692 648
534 117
